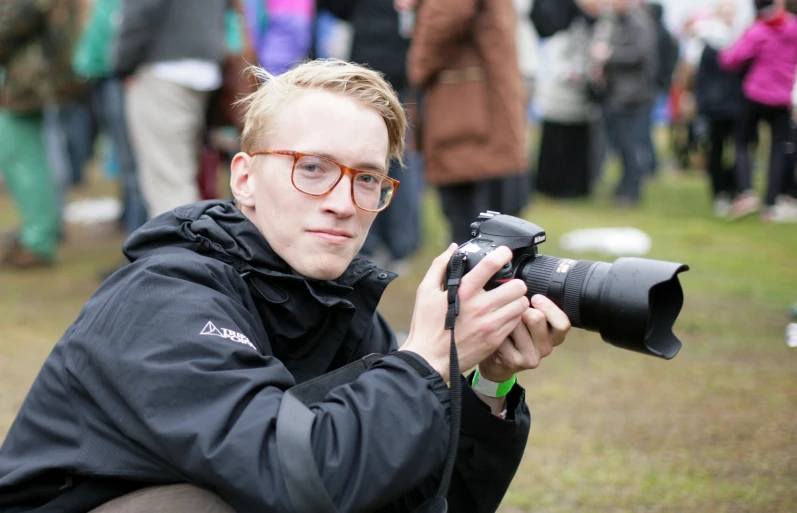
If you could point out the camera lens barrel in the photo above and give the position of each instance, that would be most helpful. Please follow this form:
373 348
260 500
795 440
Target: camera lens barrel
562 281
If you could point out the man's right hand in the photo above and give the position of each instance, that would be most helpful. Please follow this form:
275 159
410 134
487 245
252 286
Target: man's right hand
485 318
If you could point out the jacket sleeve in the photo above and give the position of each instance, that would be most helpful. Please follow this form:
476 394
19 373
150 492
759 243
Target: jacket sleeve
634 50
735 58
489 454
439 26
169 357
140 19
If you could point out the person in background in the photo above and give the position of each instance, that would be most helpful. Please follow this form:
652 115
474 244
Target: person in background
172 51
379 41
464 56
667 50
768 52
568 112
106 103
36 44
623 54
718 94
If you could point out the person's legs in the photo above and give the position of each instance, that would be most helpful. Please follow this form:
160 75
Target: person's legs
401 231
747 201
165 122
778 120
181 498
23 162
79 125
58 157
720 130
110 102
462 204
628 132
748 130
649 144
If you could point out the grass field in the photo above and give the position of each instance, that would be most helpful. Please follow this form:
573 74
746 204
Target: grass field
713 430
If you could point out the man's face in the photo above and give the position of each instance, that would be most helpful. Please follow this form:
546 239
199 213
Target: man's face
317 236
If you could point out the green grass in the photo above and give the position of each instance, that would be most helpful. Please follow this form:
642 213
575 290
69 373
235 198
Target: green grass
713 430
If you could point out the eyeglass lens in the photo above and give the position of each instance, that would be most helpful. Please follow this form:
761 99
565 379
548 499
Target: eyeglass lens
314 175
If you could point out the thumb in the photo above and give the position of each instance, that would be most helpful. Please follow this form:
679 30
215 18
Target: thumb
437 271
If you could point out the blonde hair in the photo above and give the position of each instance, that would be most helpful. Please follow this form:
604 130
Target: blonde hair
353 80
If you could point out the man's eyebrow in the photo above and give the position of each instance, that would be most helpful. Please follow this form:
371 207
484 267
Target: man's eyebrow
363 166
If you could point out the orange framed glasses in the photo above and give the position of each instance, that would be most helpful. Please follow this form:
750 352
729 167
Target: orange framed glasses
317 176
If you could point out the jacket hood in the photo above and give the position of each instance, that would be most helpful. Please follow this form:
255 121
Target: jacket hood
219 230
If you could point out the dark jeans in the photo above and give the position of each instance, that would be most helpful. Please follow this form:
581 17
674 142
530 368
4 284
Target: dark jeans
723 178
628 133
104 109
779 123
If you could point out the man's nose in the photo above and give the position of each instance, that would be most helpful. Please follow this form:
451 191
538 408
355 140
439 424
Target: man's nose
339 200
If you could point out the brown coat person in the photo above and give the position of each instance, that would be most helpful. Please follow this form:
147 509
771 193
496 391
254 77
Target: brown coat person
464 56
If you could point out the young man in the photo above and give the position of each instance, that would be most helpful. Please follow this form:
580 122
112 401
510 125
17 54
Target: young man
174 373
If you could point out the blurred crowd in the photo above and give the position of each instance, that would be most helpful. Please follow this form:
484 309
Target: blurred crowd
147 87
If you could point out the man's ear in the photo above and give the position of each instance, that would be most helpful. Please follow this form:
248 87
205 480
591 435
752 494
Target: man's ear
242 180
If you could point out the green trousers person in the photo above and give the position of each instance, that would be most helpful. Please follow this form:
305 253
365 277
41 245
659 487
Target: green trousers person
27 177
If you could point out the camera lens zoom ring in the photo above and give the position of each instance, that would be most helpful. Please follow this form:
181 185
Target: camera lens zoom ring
572 293
538 275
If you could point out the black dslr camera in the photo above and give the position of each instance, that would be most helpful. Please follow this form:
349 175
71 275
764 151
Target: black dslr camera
632 303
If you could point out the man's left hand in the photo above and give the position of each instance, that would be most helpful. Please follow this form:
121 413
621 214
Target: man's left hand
544 326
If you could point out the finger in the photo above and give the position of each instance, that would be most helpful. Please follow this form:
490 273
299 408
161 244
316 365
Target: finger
437 271
508 314
478 277
540 333
505 294
538 329
530 354
556 318
508 356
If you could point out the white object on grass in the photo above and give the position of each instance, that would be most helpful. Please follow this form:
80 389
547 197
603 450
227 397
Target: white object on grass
614 241
93 211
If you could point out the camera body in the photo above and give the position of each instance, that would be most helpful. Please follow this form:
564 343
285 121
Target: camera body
632 303
492 230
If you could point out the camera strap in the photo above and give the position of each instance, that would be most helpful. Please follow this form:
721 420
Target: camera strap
438 503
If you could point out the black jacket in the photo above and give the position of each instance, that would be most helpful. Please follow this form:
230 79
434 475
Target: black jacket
376 41
666 47
175 369
718 93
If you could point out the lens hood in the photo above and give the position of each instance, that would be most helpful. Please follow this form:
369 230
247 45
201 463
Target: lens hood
639 303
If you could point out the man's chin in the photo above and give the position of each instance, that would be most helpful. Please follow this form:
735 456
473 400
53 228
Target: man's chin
331 268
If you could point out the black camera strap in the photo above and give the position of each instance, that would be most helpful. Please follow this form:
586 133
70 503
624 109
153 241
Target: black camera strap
438 503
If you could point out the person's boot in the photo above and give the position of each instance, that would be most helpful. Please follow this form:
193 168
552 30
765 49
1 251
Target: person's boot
17 257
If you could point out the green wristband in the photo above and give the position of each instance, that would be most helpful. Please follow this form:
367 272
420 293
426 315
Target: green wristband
492 388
